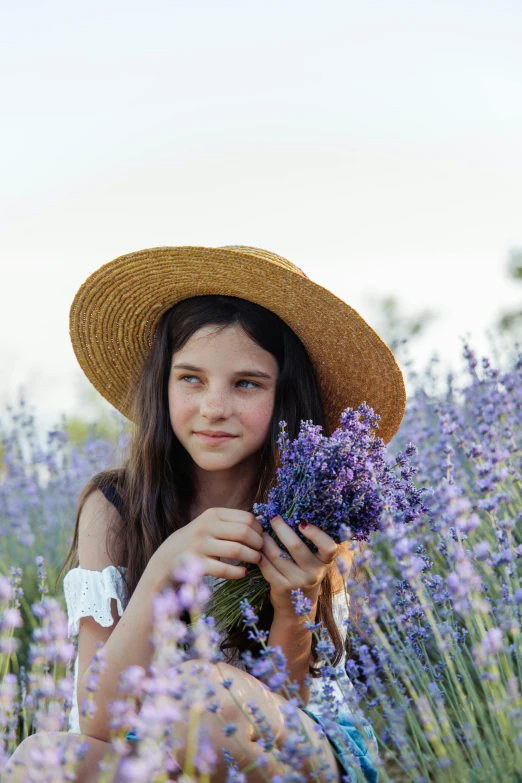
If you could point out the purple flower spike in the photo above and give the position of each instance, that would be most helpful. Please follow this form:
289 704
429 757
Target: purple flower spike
341 483
249 616
190 570
303 606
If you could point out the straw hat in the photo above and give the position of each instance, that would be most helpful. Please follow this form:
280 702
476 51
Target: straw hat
115 313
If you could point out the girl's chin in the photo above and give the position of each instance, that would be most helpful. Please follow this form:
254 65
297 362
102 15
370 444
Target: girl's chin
215 467
213 462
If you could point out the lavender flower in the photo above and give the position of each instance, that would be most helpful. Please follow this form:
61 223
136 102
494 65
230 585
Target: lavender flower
341 484
341 480
434 659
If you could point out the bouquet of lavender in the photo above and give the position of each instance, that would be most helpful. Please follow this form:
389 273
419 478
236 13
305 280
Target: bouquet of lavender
341 484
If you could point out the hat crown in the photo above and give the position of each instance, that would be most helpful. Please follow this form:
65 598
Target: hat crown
266 255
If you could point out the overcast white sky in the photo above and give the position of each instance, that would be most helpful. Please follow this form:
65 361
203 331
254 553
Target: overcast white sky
375 144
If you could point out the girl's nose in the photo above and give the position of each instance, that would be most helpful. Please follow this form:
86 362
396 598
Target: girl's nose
215 404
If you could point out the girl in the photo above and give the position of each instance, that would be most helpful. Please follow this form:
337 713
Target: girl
206 350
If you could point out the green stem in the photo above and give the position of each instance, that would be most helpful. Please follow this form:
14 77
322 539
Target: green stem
189 766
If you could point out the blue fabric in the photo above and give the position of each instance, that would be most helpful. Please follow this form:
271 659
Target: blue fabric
346 724
344 721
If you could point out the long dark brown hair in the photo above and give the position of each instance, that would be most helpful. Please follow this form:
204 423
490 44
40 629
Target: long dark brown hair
156 479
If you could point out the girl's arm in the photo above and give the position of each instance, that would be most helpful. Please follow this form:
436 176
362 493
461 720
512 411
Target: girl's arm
127 641
289 632
303 570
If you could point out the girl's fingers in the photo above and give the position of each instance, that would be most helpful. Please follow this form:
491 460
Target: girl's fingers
274 577
282 565
300 551
215 547
237 531
223 570
327 549
303 561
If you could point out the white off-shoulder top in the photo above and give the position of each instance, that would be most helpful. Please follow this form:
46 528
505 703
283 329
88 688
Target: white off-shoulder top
89 594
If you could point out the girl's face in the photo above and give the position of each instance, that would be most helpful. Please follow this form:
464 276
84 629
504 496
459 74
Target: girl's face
222 382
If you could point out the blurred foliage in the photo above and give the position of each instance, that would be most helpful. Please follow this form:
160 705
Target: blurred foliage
397 327
512 320
96 418
30 597
79 430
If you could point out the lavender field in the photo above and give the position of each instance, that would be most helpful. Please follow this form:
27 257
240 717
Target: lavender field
435 663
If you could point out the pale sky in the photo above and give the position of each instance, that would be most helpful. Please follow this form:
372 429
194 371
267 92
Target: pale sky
376 144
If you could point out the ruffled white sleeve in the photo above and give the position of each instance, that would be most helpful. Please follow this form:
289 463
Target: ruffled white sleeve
89 594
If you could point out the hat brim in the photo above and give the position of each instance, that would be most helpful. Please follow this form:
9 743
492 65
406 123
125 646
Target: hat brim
115 313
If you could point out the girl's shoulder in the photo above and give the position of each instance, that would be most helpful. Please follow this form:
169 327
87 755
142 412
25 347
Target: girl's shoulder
111 493
98 524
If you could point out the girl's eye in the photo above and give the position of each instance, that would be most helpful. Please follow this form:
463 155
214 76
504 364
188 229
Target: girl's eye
194 376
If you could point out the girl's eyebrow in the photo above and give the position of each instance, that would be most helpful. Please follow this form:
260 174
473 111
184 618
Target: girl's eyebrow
250 373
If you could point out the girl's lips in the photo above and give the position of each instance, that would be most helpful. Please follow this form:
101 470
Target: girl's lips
215 439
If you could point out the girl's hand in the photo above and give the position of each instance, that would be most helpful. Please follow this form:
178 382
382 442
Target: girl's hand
305 572
216 533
